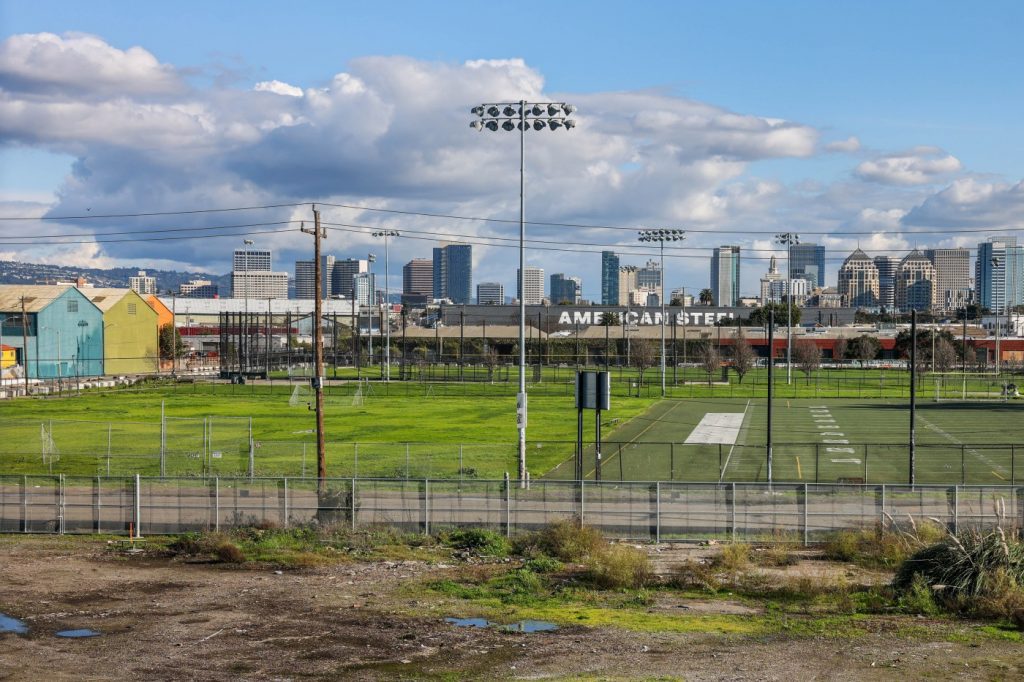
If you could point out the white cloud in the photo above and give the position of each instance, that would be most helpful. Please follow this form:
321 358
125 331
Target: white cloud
847 146
969 202
84 64
918 166
278 88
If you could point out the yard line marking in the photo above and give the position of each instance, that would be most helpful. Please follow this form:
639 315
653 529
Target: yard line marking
799 472
654 422
725 467
956 441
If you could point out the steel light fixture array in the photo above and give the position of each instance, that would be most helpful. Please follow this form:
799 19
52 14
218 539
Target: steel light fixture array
660 236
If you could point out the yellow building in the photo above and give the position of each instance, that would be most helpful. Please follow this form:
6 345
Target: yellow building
130 332
8 356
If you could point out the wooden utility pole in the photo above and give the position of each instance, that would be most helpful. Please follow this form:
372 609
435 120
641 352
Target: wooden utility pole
318 355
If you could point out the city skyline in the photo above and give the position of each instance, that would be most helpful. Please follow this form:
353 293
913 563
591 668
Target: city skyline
110 115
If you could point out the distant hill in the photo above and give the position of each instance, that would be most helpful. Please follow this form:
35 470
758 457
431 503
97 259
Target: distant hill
13 272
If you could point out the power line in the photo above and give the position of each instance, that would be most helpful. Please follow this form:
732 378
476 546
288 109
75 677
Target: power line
156 239
153 213
153 231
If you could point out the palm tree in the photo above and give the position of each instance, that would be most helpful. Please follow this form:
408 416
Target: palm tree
707 297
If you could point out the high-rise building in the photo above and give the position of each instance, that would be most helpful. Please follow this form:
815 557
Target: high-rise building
627 284
490 293
364 289
418 278
768 289
952 277
259 284
887 267
609 278
565 289
1000 285
198 288
305 278
649 277
915 282
453 272
531 284
858 280
343 275
252 259
808 263
725 275
142 283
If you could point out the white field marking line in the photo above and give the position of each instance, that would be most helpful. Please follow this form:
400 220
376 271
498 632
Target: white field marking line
823 421
720 428
654 422
743 425
956 441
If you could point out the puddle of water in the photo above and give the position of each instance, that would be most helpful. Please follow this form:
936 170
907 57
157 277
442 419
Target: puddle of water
530 626
75 634
468 622
8 624
521 626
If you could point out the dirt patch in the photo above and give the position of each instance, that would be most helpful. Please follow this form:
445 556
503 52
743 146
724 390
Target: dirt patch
163 619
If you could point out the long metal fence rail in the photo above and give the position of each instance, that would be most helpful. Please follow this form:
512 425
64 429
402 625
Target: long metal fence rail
641 511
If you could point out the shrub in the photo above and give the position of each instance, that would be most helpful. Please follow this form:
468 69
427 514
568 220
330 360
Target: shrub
693 575
519 586
564 540
543 564
919 598
776 555
478 540
734 557
229 552
620 566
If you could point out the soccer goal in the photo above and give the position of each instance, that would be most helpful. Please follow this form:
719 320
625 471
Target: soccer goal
974 387
301 395
48 448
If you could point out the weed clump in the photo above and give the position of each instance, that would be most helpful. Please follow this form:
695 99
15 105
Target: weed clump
229 552
478 540
566 541
734 557
620 566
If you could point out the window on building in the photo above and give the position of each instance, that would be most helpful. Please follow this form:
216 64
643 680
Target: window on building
132 308
72 306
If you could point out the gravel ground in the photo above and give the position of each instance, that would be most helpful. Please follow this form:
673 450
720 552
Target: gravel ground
165 619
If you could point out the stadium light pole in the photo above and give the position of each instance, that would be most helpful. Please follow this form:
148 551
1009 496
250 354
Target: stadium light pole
371 258
661 236
788 238
387 348
509 116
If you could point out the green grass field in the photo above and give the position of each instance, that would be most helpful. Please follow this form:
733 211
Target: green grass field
399 435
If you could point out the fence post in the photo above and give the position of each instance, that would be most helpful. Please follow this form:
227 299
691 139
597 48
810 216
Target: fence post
732 501
657 512
805 516
252 451
137 513
352 511
24 504
355 460
881 516
407 461
60 504
956 509
285 482
1012 472
508 507
672 461
581 500
216 503
99 505
963 464
460 462
426 506
817 460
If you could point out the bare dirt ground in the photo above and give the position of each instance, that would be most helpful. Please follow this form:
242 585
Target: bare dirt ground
165 619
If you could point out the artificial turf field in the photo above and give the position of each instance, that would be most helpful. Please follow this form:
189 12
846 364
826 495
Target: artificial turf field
817 441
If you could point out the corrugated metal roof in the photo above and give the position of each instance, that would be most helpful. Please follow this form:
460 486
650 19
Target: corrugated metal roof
105 298
37 296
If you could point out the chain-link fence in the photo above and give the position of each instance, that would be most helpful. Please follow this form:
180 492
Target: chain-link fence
658 511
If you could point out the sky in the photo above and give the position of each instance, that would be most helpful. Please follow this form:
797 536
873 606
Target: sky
887 126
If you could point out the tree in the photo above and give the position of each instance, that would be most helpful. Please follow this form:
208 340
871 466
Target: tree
866 348
491 358
807 356
642 358
742 354
710 360
610 319
945 355
171 345
839 349
706 297
759 317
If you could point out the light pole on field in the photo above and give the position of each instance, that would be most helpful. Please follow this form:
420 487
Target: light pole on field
509 116
387 348
788 238
661 236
